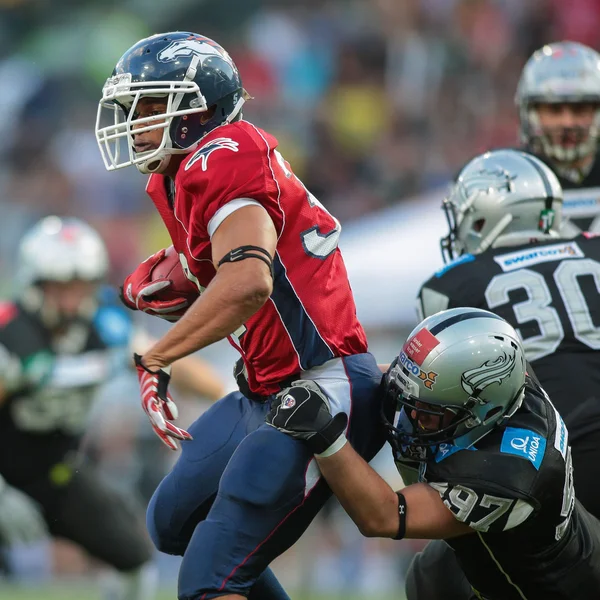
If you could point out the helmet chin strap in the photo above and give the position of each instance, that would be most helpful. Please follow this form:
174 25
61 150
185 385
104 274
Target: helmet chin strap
157 164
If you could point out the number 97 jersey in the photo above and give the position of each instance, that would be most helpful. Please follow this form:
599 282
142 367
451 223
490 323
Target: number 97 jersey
549 292
531 539
310 317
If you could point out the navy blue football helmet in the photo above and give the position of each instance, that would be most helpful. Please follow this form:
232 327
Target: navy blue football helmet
192 73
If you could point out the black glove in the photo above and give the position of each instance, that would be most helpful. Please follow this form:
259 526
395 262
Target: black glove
303 412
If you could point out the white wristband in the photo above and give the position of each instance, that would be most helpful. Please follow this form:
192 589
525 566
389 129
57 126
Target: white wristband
335 447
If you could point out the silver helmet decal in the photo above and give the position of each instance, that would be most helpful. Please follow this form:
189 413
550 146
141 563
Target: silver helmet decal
491 371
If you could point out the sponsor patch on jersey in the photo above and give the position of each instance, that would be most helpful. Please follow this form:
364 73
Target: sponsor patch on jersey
541 254
524 443
208 148
418 347
465 258
581 202
446 450
561 437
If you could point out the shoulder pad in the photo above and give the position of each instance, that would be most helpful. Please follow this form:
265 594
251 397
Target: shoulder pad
465 258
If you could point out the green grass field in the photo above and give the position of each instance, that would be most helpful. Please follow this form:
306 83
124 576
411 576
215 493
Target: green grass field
83 593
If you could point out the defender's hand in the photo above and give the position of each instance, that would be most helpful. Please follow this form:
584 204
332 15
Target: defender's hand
139 287
303 412
158 404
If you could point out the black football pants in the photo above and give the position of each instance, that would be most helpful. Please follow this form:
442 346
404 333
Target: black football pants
89 513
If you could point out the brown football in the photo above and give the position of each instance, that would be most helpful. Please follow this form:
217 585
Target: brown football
170 268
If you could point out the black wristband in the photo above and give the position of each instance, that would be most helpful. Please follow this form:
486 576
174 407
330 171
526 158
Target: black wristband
402 516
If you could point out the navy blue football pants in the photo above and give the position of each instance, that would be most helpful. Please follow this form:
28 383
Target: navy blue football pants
242 492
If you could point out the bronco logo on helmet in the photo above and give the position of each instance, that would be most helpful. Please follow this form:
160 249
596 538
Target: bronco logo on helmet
202 47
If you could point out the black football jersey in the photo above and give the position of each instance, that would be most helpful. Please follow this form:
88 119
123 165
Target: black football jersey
514 488
49 388
550 293
582 198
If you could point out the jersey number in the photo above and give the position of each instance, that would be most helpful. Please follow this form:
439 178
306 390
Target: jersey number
463 500
568 496
538 306
315 243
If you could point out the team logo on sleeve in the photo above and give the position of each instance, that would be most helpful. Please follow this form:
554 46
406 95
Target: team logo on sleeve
491 371
206 150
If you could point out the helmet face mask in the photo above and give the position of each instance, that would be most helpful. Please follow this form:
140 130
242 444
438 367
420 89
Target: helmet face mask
420 428
460 374
564 73
122 99
191 74
563 143
501 198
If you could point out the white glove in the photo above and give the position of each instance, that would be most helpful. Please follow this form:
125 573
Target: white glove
21 521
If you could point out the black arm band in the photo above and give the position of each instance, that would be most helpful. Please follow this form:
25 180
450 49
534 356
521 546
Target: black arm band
402 516
244 252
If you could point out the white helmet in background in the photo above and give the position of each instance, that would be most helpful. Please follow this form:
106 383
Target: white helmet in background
563 72
59 250
501 198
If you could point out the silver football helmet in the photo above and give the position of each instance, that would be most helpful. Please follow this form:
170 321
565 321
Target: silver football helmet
501 198
563 72
460 374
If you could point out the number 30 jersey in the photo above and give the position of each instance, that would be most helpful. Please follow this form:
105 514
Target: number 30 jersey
514 488
550 293
310 317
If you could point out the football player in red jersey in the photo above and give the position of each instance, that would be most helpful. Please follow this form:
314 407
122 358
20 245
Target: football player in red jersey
264 255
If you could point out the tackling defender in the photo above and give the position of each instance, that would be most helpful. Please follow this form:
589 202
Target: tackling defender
495 476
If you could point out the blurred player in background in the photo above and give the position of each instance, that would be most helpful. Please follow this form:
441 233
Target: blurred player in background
264 255
58 346
495 476
559 112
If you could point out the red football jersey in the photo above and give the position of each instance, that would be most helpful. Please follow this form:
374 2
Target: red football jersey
310 316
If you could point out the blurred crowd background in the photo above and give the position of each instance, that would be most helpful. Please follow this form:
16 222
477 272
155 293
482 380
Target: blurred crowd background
373 102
